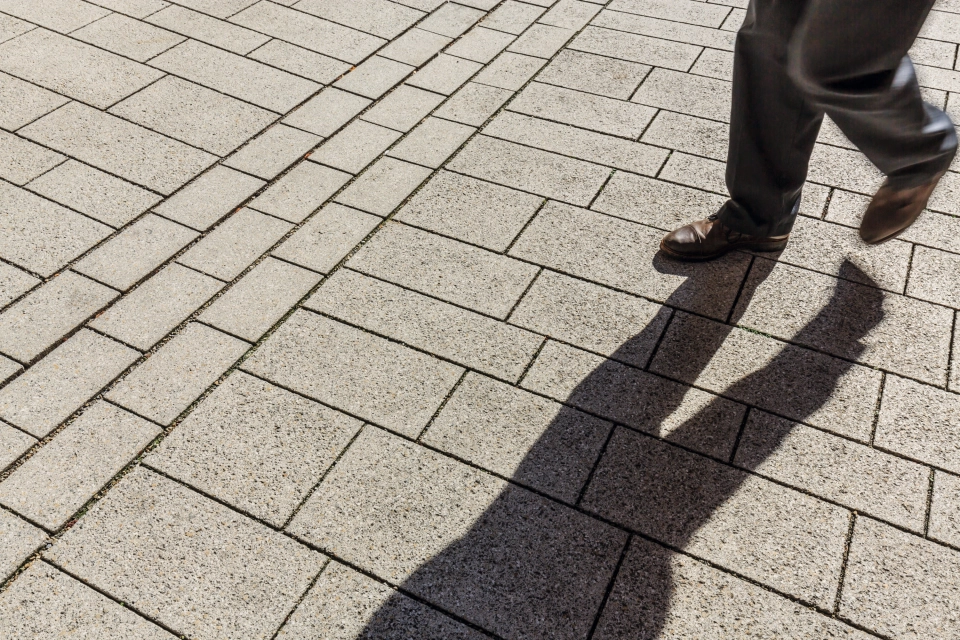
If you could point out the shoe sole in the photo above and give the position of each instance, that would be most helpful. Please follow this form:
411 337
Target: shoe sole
765 247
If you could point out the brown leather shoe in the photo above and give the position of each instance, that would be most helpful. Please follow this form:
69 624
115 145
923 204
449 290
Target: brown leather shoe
891 212
709 238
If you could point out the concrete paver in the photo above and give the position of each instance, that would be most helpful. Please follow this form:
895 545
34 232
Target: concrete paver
60 16
298 193
235 244
481 44
300 61
945 509
21 160
208 198
374 77
473 103
415 47
444 74
379 17
383 186
24 102
204 28
128 37
585 110
432 142
13 443
541 40
327 237
268 155
20 540
403 108
594 74
327 111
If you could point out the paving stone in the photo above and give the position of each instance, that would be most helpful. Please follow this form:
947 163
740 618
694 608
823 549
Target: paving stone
689 94
218 8
920 422
8 368
268 155
155 308
119 147
14 283
444 268
60 15
49 312
173 377
13 444
451 20
424 323
830 133
946 198
698 136
945 509
327 237
379 17
510 71
356 146
636 48
19 540
954 384
375 76
403 108
513 17
51 390
703 602
481 561
128 37
354 371
898 334
594 74
298 194
571 14
584 110
936 78
473 104
300 61
235 244
900 585
327 112
694 171
541 41
133 8
844 168
480 45
184 564
236 76
444 74
259 299
675 10
305 30
21 160
791 381
714 64
11 27
669 29
64 474
941 25
23 102
432 142
344 603
97 194
208 198
471 210
204 28
255 446
655 203
415 47
382 188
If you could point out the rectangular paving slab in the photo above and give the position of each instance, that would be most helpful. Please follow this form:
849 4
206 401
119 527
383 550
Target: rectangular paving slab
663 54
208 198
655 203
271 153
235 244
327 111
298 193
379 17
13 444
594 74
432 142
60 15
945 509
24 102
18 541
128 37
383 186
586 110
208 29
14 282
327 237
473 104
300 61
693 95
21 160
355 146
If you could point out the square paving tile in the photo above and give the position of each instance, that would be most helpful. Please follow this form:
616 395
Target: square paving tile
594 74
541 40
60 15
355 146
14 282
480 44
586 110
326 112
379 17
298 193
444 74
208 29
415 47
473 104
655 52
300 61
403 108
374 76
451 19
509 71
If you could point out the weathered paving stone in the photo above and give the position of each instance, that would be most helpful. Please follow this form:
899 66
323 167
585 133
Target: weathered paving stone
703 602
432 142
21 160
235 244
655 203
297 194
594 74
785 379
49 391
509 71
495 550
8 368
945 509
636 48
444 268
207 29
444 74
11 27
97 194
447 331
173 377
945 198
273 151
259 299
327 111
300 61
128 37
451 20
512 17
48 313
471 210
152 310
480 45
65 473
14 283
714 64
941 25
585 110
18 541
344 603
133 8
119 147
355 146
13 444
900 585
592 317
570 14
541 41
473 104
934 276
379 17
920 422
698 136
534 441
689 94
695 32
60 15
355 371
415 47
403 108
208 198
200 568
382 187
222 9
844 168
374 77
255 446
327 237
23 102
695 171
136 251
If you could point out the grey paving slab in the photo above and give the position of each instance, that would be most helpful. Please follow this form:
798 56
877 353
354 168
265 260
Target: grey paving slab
204 28
415 47
126 258
300 61
714 64
51 390
97 194
271 153
849 320
382 187
236 243
945 509
236 76
689 94
354 371
594 74
844 168
655 203
152 310
791 381
636 48
173 377
327 237
217 8
327 112
403 108
201 568
480 44
21 160
934 276
704 603
425 323
471 210
13 443
63 16
208 198
676 10
20 539
597 113
481 561
941 25
119 147
379 17
8 368
510 71
65 473
936 78
48 313
298 194
11 27
305 30
128 37
259 299
885 592
668 30
14 282
473 104
954 384
698 136
475 278
444 74
374 76
946 198
432 142
355 146
451 19
255 446
513 17
23 102
694 171
133 8
194 114
541 40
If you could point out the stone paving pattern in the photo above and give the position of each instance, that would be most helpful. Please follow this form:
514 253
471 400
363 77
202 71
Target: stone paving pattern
345 318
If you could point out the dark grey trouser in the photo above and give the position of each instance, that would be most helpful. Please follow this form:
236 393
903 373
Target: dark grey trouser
795 60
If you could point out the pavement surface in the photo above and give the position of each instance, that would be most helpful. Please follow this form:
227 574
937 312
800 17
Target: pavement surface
346 318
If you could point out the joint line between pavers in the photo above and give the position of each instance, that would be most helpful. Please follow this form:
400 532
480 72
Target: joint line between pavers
300 600
876 410
526 369
609 589
593 467
443 403
522 295
737 440
743 285
929 505
526 224
663 332
843 563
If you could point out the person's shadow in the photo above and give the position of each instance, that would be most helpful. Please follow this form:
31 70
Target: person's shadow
529 568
